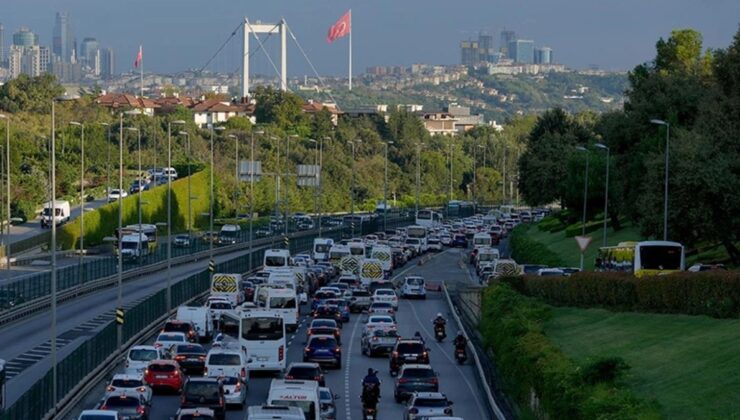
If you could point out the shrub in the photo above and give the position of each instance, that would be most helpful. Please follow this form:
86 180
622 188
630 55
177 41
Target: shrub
604 369
575 229
527 250
712 293
550 224
529 362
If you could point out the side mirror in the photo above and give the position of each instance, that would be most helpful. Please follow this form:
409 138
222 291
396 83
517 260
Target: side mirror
336 396
450 402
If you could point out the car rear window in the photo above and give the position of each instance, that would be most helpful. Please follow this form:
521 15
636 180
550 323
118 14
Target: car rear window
190 348
381 292
360 293
303 371
159 367
202 391
126 383
224 359
430 402
382 305
142 355
323 323
410 348
220 305
323 342
386 333
418 373
121 402
415 281
170 337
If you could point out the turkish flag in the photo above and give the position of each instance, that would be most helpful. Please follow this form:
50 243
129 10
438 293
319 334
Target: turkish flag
341 28
139 57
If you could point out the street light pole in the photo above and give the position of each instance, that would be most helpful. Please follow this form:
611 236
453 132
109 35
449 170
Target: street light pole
665 187
190 215
169 213
287 189
236 175
82 199
210 211
251 196
418 174
606 188
352 195
7 186
585 197
385 188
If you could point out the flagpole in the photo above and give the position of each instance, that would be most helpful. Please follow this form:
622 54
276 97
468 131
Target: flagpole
141 68
350 49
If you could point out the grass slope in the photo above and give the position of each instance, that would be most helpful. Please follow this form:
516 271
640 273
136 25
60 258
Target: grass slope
689 364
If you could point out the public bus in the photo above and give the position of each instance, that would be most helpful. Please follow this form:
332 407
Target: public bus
642 258
262 335
418 232
150 231
428 218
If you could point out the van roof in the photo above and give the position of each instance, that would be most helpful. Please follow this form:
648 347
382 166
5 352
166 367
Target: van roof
294 384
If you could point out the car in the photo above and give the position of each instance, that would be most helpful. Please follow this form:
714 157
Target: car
328 312
10 298
227 361
379 284
235 391
530 268
166 340
378 321
190 357
130 406
459 240
181 241
98 415
323 349
379 341
321 296
360 300
343 307
328 403
323 326
137 186
132 384
263 232
195 414
413 286
414 244
184 327
217 306
386 295
699 267
382 308
138 357
427 404
164 374
569 271
116 194
434 244
305 372
344 289
415 378
209 237
550 272
204 392
408 351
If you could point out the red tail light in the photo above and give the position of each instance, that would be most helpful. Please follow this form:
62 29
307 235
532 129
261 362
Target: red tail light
103 407
140 410
395 354
402 381
434 381
281 353
180 358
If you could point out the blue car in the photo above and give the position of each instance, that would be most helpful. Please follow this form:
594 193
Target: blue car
343 307
320 298
323 349
459 240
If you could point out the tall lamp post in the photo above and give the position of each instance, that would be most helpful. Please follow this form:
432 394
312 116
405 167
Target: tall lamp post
316 187
107 149
236 174
169 212
602 146
418 174
354 143
54 247
385 188
665 187
251 196
138 180
210 211
7 186
475 183
287 189
82 198
190 198
585 197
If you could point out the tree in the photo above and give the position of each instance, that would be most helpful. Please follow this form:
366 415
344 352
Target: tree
29 94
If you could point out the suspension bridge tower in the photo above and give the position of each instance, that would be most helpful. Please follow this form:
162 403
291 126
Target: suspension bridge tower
250 30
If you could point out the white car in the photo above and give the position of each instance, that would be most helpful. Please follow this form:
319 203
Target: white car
223 362
235 391
445 240
378 321
166 340
413 286
115 194
426 404
386 295
550 272
98 415
434 243
217 306
131 383
138 358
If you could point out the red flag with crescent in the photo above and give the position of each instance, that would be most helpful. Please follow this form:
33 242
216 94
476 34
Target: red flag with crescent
341 28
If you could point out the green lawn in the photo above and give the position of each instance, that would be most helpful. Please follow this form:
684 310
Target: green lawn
690 365
567 248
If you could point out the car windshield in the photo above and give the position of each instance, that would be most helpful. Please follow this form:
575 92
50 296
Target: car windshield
386 333
325 295
322 248
282 303
229 380
415 281
123 402
143 355
221 359
410 348
360 293
263 328
418 373
160 367
381 305
177 327
411 241
325 395
170 337
383 292
430 402
274 261
325 323
126 383
190 349
380 320
220 305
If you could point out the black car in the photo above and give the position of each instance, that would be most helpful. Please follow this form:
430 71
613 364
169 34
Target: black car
204 392
306 372
181 326
10 298
328 312
408 351
190 357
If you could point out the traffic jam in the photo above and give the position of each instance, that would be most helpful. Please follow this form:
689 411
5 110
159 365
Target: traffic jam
233 355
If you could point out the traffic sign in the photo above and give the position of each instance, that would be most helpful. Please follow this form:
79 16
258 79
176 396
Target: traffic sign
119 316
286 241
583 242
212 266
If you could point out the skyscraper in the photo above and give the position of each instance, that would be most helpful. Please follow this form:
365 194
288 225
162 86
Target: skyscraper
88 51
506 38
25 38
63 43
485 47
2 45
470 54
107 63
543 55
522 51
31 60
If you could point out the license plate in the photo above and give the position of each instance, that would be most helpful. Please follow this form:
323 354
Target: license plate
410 357
262 358
161 376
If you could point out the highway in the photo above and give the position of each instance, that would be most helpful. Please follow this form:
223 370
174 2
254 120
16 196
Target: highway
458 382
32 227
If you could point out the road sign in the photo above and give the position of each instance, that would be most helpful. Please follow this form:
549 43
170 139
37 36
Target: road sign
212 266
119 316
286 241
583 242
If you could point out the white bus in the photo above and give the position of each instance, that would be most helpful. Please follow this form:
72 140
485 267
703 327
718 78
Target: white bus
428 218
321 248
276 259
262 336
420 233
282 301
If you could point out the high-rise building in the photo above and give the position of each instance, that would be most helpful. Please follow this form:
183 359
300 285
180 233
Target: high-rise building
543 55
107 63
485 47
88 51
506 37
25 38
470 53
32 60
2 45
63 43
522 51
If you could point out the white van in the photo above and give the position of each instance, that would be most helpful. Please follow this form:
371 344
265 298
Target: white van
384 254
293 393
275 412
413 286
227 286
170 172
371 270
276 259
230 362
134 246
321 248
229 234
481 240
61 213
337 252
357 249
199 317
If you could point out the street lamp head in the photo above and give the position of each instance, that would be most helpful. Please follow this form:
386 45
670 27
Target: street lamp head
104 124
581 149
259 132
232 136
75 123
131 128
311 141
183 133
293 136
389 143
220 128
601 146
66 97
177 122
658 122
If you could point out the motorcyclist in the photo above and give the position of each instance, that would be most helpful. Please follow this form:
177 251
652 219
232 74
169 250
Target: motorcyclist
371 378
460 341
370 389
439 322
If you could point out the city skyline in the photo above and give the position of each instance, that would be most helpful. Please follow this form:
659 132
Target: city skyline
175 40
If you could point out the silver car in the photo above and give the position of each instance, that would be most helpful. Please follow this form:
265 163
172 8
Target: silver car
130 383
327 399
427 404
235 391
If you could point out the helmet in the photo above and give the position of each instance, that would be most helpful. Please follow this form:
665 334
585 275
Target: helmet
439 314
459 334
370 371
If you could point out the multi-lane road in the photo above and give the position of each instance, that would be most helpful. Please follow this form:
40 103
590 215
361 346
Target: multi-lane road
458 382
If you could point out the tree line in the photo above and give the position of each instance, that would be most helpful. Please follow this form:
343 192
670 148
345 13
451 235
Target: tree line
697 93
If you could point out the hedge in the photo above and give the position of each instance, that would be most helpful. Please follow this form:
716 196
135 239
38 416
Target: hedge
550 224
711 293
103 221
575 229
526 250
537 373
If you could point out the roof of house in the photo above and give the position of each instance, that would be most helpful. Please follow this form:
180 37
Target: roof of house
312 106
218 105
115 100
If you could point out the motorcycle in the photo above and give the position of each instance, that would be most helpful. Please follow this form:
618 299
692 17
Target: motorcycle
439 332
461 355
369 408
369 413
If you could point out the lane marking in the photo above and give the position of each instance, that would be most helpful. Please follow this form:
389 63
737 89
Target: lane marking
348 365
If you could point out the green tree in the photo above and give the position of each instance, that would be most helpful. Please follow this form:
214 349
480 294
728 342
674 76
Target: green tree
30 94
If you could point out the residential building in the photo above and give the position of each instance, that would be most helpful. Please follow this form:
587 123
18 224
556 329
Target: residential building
543 55
215 111
2 45
464 120
312 107
122 101
522 51
25 38
439 123
63 42
107 63
32 61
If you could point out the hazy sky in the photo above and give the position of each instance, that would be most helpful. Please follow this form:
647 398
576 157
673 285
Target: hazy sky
182 34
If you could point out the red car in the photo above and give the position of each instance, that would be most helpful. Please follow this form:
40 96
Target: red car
164 374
